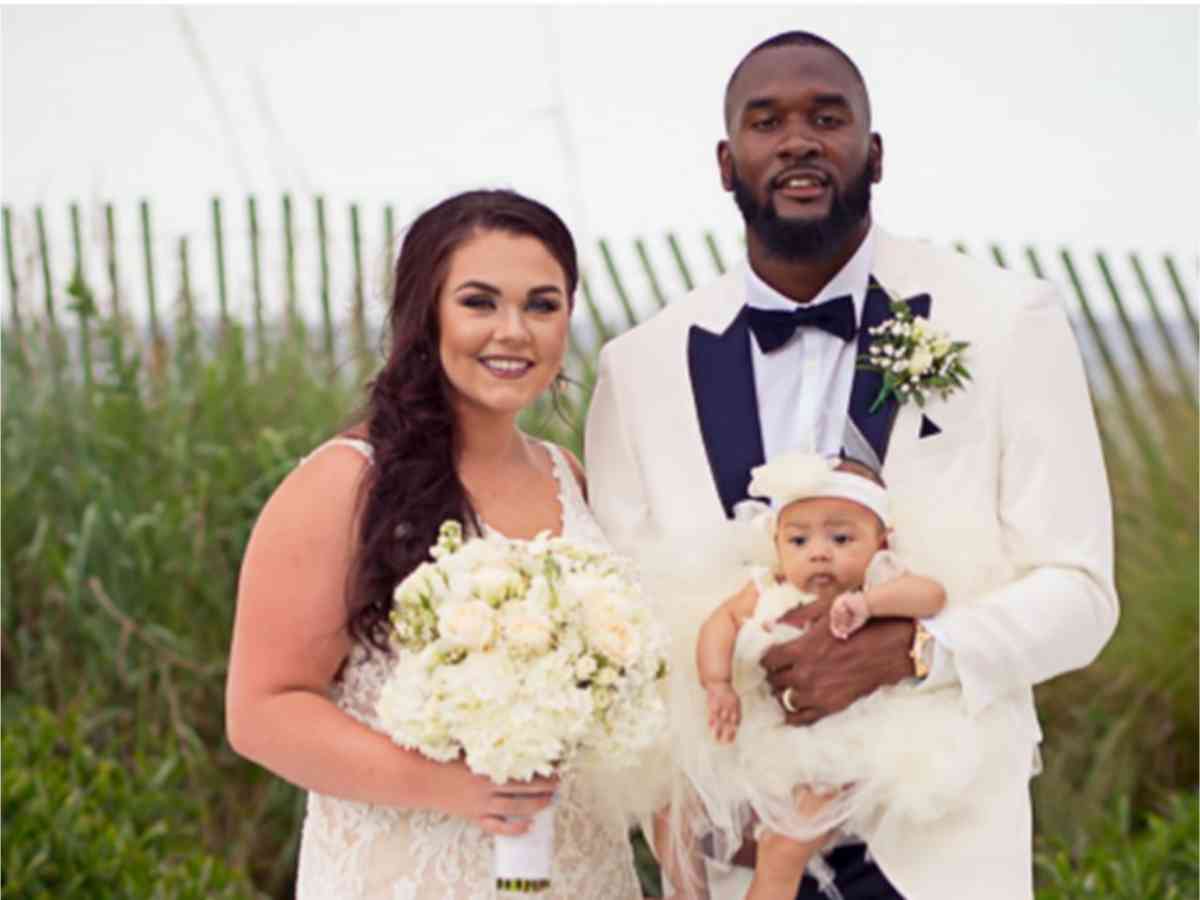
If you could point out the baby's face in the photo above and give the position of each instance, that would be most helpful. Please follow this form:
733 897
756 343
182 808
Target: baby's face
825 543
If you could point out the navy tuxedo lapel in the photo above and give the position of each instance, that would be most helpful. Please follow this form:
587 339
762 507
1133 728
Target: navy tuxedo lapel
722 374
876 426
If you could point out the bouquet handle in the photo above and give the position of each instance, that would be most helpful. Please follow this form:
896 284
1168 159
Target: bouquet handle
523 862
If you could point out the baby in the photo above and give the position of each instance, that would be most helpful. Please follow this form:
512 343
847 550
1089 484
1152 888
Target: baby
830 535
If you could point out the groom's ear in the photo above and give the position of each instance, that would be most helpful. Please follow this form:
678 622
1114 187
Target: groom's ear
875 157
725 164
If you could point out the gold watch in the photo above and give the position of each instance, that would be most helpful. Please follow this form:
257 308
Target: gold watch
921 652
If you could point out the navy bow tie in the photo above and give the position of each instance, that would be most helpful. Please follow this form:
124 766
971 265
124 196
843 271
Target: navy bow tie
774 328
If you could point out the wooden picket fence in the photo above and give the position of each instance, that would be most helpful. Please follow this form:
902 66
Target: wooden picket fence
1138 344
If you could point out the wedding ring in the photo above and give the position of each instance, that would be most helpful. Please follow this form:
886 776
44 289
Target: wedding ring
786 699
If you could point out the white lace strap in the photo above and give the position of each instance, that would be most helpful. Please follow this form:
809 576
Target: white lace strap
568 484
353 443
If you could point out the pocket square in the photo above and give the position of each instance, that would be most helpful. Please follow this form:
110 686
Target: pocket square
928 428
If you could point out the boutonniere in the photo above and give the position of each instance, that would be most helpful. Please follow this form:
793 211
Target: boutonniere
914 358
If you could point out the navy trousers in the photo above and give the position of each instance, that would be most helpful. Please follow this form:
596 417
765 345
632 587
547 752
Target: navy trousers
856 877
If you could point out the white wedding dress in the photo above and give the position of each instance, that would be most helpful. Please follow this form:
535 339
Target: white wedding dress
360 851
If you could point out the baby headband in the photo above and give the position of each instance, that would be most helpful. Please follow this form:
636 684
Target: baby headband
798 476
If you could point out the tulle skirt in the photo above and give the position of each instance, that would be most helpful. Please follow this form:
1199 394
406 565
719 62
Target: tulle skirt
899 758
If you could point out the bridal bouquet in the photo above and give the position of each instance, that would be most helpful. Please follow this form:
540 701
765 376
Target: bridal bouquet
527 658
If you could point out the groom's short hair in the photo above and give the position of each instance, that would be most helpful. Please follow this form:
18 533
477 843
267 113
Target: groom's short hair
795 39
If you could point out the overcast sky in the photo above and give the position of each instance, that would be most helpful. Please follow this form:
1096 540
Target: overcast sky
1056 125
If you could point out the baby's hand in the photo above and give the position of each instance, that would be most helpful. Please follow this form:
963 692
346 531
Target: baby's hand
849 613
724 711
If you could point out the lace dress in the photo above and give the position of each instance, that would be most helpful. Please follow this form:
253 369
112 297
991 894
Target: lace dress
360 851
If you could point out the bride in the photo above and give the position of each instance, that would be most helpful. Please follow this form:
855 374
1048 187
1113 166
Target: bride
479 321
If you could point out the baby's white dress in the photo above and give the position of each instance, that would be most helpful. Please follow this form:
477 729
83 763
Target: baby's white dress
897 758
361 851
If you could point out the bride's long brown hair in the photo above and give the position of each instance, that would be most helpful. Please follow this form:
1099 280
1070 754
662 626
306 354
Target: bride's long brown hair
413 485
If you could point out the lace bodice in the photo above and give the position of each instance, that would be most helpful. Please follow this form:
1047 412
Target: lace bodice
360 851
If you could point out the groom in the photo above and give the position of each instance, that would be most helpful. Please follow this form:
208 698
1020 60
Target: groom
998 489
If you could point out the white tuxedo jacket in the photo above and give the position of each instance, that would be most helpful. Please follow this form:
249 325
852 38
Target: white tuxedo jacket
999 490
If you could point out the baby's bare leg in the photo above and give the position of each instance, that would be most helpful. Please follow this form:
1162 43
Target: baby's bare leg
781 860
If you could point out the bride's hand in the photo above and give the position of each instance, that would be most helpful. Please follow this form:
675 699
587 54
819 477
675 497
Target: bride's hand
496 808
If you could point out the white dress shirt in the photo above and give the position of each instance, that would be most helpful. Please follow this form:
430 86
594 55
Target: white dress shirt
803 388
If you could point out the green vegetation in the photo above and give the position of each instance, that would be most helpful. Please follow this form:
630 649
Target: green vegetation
1128 858
81 823
127 504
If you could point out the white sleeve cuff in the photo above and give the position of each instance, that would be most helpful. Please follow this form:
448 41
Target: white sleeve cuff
942 670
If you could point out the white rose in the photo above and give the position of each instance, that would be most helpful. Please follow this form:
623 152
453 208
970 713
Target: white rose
920 362
607 677
494 583
527 631
594 593
471 624
585 668
614 637
918 328
940 345
579 586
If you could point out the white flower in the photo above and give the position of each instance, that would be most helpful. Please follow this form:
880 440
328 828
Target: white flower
570 643
471 625
789 477
607 620
607 677
592 592
495 583
421 581
585 668
899 365
613 636
526 631
920 362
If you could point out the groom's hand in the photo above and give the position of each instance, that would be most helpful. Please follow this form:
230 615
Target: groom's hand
826 674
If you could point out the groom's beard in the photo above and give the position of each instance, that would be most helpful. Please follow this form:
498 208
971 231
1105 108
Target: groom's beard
803 240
